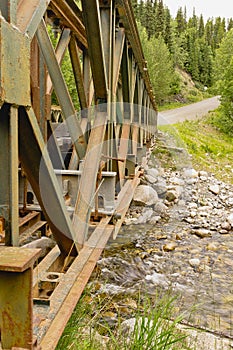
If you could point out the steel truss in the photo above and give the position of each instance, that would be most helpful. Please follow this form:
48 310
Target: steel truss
109 134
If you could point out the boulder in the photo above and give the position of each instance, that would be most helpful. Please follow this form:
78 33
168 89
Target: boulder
145 195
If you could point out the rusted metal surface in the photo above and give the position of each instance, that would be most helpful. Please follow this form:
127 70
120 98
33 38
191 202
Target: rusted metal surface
38 168
61 90
11 77
92 21
117 118
16 318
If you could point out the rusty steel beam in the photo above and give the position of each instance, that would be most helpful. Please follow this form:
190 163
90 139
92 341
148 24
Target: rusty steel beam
61 90
30 14
9 174
60 52
113 68
92 20
128 20
16 318
75 60
87 187
118 52
9 10
38 168
71 17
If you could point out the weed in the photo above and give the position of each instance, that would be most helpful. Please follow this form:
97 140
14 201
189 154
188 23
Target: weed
150 328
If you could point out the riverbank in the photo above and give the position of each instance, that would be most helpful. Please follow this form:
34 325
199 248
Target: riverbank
180 241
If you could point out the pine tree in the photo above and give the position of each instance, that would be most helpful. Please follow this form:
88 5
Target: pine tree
159 24
201 29
219 31
205 64
180 22
192 48
229 24
150 18
168 30
209 33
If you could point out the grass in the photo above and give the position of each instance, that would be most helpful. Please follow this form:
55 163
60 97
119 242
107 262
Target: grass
210 149
151 326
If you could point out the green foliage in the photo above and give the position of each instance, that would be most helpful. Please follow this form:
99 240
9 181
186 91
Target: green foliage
192 43
222 61
224 119
160 65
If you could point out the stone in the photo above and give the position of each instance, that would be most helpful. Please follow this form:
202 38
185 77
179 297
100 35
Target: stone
155 219
212 247
177 181
169 247
158 279
190 173
192 205
150 179
172 195
224 232
194 262
230 219
201 232
226 226
161 209
191 181
153 172
145 195
215 189
145 216
160 187
203 173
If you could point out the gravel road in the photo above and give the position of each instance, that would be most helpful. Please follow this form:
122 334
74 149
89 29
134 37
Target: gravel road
190 112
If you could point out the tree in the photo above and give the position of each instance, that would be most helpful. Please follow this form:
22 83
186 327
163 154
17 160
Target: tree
225 118
168 30
159 64
201 29
223 60
229 24
159 25
180 22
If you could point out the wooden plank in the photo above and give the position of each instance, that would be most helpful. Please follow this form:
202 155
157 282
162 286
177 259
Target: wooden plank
74 281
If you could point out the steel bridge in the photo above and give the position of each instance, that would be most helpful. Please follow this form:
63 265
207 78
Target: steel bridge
66 172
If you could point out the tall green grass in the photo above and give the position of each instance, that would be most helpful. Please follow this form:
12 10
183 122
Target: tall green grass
154 326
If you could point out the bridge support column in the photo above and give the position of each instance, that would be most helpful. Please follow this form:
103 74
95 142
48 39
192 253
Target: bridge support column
16 319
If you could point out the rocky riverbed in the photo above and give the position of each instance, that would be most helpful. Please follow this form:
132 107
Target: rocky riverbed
178 235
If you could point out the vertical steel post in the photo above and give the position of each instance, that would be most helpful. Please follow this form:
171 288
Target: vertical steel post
14 161
9 10
9 177
16 297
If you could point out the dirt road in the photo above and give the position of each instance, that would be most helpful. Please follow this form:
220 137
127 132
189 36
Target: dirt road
190 112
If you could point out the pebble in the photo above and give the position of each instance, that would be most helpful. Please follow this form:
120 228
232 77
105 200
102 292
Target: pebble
215 189
169 247
194 262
